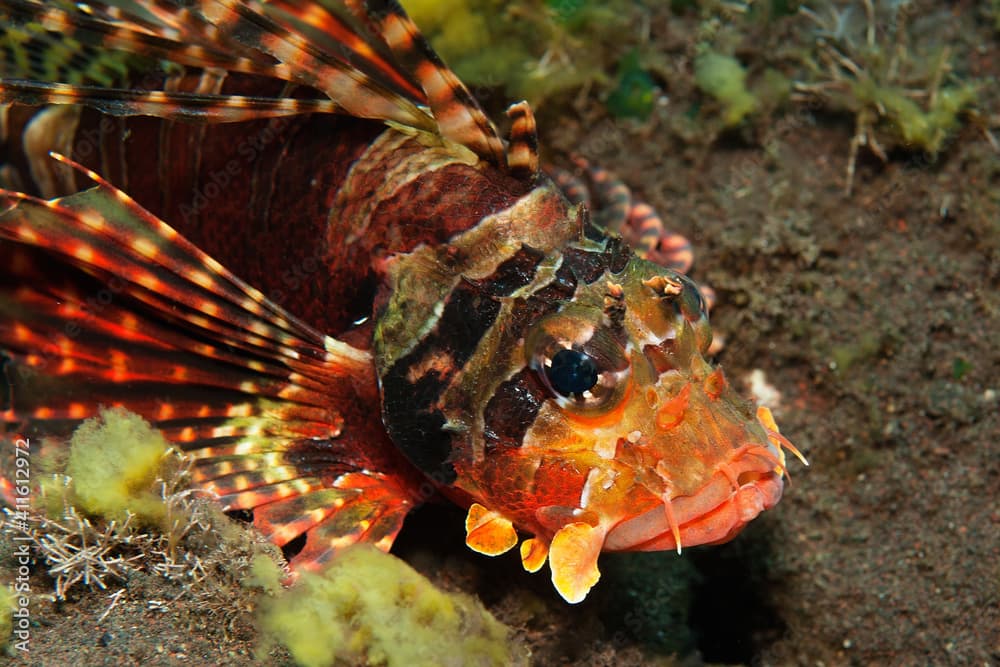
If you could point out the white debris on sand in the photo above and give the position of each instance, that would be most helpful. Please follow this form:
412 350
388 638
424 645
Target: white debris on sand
763 392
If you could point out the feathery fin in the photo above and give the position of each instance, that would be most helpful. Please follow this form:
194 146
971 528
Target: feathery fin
59 27
369 59
457 113
350 36
180 105
250 24
137 317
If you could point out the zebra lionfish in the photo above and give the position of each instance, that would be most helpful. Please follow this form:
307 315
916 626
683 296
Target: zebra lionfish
338 289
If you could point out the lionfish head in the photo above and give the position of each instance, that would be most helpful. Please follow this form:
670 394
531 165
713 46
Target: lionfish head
637 441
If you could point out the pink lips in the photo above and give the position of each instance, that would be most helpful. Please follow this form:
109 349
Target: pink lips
714 514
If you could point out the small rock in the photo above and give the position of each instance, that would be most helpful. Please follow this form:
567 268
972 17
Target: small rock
763 392
954 401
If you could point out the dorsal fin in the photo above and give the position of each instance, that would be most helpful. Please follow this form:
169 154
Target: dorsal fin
248 37
522 153
369 58
339 27
253 25
51 26
192 106
456 111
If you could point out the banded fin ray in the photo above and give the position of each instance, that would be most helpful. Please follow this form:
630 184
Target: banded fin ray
181 105
456 111
208 45
522 153
370 61
251 24
200 308
45 21
269 408
336 27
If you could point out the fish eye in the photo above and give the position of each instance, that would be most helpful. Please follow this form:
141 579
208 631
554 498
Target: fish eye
578 361
571 373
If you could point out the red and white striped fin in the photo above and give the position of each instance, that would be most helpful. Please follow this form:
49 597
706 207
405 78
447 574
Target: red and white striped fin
362 506
369 59
254 38
257 26
456 111
179 105
522 151
105 305
338 29
130 35
202 311
110 233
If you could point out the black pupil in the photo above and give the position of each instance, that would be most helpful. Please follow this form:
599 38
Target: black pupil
572 372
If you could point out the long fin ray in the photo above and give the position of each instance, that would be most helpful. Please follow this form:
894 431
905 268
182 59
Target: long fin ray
105 218
366 517
358 94
214 34
339 31
457 113
256 396
180 105
369 59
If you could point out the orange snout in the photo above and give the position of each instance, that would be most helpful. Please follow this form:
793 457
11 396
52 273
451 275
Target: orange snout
730 499
718 468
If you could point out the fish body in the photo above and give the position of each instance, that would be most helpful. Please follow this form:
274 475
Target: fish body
335 286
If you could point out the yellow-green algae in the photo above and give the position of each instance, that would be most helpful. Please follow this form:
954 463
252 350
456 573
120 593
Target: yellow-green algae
531 48
904 85
926 129
371 608
725 79
7 606
114 462
366 608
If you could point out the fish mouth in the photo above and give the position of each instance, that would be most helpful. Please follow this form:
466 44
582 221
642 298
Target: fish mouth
748 484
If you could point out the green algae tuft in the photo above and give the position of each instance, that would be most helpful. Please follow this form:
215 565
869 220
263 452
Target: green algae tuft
924 128
725 79
634 96
371 608
533 49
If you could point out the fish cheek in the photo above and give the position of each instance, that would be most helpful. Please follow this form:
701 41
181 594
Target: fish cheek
512 410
